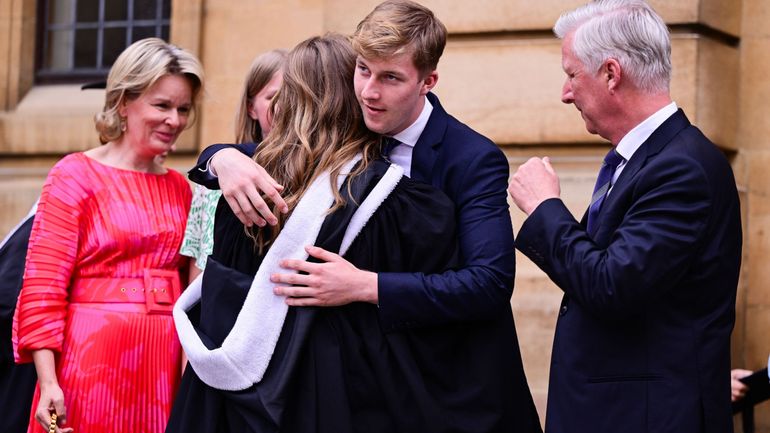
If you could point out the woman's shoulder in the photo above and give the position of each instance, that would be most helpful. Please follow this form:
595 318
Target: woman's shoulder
420 195
415 188
413 228
408 198
73 162
178 182
414 203
70 172
177 177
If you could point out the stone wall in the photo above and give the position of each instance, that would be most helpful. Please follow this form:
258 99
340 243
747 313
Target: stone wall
751 343
501 74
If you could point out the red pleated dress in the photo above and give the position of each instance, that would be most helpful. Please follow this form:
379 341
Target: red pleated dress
103 241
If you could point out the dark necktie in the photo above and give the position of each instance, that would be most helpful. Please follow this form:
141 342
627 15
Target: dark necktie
603 184
388 144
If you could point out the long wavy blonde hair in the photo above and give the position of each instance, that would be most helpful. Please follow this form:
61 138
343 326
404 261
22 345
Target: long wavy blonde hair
317 123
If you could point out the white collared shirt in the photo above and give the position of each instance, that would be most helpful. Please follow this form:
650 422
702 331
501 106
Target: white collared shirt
632 141
401 155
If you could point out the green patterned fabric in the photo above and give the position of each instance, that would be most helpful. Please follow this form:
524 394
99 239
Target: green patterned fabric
199 234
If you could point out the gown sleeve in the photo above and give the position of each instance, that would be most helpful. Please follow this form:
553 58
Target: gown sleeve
42 306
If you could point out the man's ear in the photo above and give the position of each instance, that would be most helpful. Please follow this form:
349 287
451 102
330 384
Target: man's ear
612 73
429 82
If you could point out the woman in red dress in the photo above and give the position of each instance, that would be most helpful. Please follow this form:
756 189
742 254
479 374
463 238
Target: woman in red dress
102 269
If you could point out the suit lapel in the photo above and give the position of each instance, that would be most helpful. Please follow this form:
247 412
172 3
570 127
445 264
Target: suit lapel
426 150
652 146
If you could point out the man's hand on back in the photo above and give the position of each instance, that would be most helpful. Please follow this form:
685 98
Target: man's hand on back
243 183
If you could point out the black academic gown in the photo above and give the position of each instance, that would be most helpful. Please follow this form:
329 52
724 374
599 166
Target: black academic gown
17 382
335 369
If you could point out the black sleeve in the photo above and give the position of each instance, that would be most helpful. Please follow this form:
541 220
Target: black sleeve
12 258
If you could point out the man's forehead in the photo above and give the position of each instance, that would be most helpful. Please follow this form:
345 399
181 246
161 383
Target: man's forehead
401 62
568 59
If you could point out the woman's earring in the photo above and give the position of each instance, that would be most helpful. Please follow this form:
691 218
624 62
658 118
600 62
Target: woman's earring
122 125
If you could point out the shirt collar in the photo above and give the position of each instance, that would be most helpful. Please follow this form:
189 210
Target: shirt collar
637 136
410 135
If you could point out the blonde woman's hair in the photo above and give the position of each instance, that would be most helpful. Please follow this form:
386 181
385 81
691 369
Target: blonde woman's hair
260 73
136 69
398 26
317 125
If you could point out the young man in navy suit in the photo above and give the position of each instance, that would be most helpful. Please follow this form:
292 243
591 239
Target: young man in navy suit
399 45
649 275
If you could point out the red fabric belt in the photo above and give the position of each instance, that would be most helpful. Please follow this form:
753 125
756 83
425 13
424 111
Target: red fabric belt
158 290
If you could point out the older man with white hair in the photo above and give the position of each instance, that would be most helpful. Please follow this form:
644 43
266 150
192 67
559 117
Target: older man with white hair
649 275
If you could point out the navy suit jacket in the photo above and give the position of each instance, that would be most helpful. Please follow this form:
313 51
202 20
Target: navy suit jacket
17 381
471 303
642 340
200 173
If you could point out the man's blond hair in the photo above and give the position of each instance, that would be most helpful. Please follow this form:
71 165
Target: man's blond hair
401 26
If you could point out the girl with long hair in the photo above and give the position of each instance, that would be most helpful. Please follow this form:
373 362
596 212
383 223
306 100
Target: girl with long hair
252 123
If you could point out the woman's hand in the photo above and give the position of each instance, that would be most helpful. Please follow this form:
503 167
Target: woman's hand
52 401
51 394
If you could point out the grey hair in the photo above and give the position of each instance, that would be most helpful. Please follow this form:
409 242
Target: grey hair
629 31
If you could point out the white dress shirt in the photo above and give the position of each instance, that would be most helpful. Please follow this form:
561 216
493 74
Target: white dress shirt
632 141
401 155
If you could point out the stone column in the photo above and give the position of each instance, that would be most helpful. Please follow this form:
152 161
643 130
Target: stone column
751 344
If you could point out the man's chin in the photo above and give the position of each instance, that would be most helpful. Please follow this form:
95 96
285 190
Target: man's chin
374 127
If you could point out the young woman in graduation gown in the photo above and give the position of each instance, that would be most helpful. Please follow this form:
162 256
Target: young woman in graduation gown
257 365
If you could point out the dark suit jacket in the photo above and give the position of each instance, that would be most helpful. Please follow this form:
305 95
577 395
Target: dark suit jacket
200 175
643 337
12 259
17 382
473 172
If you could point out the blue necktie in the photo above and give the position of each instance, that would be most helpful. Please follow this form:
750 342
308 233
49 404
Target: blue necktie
388 144
603 184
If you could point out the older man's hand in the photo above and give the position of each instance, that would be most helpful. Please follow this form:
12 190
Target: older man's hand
534 182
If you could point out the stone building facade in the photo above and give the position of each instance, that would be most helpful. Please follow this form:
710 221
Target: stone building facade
501 74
